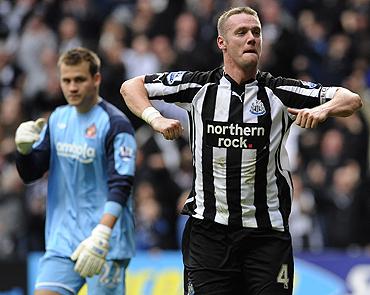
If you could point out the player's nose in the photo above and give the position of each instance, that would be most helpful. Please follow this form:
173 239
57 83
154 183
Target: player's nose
73 87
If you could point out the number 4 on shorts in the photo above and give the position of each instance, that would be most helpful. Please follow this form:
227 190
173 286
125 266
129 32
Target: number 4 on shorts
283 277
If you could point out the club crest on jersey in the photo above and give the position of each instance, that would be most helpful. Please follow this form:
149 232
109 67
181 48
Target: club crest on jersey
257 108
310 85
175 76
91 131
125 153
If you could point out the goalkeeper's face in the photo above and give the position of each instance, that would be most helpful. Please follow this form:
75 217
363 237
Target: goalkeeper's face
79 87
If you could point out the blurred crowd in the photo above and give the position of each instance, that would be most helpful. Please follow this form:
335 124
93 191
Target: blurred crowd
326 41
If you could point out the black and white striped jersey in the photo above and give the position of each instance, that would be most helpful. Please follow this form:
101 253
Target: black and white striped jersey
237 136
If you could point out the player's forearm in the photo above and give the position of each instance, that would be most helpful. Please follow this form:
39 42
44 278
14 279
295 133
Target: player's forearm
135 95
32 166
343 104
108 220
112 211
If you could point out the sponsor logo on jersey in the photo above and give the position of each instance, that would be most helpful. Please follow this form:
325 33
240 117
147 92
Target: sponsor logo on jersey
241 96
126 153
82 153
175 76
309 84
257 108
234 135
159 77
90 131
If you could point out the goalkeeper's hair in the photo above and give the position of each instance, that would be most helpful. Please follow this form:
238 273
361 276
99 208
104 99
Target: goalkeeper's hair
232 11
78 55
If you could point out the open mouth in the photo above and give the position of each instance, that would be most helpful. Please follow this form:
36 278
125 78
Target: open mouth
250 51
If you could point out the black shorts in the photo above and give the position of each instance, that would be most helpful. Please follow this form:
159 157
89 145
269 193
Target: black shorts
222 260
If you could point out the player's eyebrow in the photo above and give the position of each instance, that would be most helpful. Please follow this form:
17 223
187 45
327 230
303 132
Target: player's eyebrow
76 78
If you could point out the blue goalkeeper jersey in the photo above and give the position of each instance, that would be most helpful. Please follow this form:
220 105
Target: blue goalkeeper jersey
90 159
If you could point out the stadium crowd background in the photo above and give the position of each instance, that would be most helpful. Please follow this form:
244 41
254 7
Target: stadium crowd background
325 41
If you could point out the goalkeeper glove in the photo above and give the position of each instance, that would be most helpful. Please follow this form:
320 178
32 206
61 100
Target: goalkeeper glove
26 135
90 254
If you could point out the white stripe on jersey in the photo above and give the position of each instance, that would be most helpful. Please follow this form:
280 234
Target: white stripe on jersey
248 167
198 131
275 138
158 89
300 90
219 155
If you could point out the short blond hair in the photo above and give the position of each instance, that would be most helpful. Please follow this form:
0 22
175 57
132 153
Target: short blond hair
78 55
232 11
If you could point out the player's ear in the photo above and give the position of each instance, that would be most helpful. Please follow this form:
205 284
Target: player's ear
221 42
97 78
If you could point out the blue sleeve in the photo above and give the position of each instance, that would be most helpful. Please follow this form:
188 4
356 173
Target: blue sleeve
113 208
33 166
121 155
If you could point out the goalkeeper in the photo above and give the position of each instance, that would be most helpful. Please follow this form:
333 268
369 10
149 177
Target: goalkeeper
88 148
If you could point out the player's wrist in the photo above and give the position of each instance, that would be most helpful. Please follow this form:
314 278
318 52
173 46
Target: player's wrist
149 114
102 231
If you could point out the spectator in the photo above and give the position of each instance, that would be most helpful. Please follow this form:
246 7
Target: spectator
166 55
36 38
140 54
304 227
189 51
11 75
152 229
68 34
339 213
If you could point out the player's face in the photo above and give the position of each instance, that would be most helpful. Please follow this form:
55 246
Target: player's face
242 43
79 87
